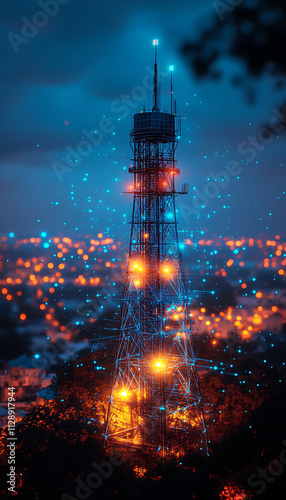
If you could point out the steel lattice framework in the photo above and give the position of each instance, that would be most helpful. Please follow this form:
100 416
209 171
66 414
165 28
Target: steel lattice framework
155 401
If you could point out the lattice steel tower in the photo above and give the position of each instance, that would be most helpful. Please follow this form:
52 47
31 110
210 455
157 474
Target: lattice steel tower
155 401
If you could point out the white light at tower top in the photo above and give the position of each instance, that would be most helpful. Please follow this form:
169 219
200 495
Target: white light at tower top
171 68
155 42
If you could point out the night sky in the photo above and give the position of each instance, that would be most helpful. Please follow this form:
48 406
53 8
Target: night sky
75 71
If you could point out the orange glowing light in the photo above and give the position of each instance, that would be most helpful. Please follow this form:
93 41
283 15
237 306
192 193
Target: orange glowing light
257 319
136 266
167 269
259 295
4 291
146 236
23 317
50 265
42 307
9 297
159 365
274 308
270 243
244 285
229 263
281 272
100 235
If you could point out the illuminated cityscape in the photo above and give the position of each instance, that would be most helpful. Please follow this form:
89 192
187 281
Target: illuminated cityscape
48 286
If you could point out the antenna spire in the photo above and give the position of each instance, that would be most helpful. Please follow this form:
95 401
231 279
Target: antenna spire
155 43
171 68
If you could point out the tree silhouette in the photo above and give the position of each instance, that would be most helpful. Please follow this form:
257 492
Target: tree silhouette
252 32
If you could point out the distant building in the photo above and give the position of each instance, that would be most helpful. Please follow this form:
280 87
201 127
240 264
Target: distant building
27 380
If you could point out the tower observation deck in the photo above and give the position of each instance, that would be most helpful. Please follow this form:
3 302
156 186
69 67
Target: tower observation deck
155 400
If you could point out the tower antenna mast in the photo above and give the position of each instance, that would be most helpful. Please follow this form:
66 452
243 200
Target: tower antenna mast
171 68
155 43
